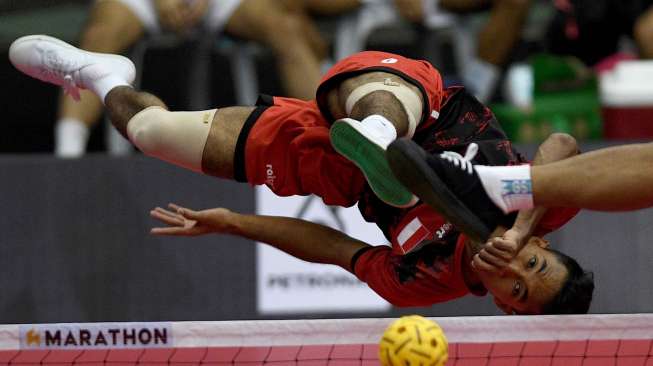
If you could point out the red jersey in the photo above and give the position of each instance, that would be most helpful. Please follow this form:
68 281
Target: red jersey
432 272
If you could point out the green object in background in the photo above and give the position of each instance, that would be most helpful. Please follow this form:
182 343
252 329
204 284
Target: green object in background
552 74
565 99
573 112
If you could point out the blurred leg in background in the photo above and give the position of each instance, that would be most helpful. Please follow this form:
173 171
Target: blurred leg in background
288 31
112 27
496 40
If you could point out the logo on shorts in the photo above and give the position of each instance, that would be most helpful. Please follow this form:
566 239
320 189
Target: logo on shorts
389 61
269 173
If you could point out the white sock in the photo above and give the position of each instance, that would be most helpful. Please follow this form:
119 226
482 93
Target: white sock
509 187
103 86
101 80
481 78
382 127
71 137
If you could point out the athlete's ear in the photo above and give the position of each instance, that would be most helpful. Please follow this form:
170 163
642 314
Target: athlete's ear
503 306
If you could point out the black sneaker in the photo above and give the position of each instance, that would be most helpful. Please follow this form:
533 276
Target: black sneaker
449 185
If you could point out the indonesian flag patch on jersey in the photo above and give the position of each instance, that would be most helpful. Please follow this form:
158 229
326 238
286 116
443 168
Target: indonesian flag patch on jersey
413 236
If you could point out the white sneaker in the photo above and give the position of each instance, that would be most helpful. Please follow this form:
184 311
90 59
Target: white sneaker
54 61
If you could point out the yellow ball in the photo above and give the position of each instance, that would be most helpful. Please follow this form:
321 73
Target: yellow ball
413 341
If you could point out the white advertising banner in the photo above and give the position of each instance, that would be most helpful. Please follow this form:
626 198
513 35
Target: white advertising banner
289 285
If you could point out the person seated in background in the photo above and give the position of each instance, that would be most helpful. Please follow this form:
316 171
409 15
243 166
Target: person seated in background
495 40
113 26
592 29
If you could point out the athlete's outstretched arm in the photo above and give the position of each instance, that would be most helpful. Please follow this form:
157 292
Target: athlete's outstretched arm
301 239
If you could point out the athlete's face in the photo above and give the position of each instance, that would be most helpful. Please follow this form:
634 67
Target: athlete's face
529 282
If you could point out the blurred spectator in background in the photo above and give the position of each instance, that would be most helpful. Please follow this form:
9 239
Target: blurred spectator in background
115 25
592 29
495 40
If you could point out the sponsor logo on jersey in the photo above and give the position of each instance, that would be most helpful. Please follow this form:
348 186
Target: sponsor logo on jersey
389 61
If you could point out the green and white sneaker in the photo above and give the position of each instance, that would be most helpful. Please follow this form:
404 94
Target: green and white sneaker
366 147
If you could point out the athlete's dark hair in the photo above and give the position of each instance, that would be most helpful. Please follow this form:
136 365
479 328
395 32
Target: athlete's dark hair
575 296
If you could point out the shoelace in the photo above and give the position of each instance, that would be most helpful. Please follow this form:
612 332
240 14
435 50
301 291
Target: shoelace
56 71
463 162
70 87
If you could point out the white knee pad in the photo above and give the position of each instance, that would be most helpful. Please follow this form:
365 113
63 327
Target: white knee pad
176 137
409 99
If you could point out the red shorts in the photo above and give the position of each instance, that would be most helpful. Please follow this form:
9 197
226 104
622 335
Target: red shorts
285 145
285 142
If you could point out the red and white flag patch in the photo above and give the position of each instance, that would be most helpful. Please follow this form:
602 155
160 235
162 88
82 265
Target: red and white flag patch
412 235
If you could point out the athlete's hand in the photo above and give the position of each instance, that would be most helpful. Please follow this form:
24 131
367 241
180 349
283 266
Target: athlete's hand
180 15
186 222
499 251
411 10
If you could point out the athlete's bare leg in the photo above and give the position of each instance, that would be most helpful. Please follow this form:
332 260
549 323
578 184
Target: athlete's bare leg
111 28
612 179
202 141
378 102
123 103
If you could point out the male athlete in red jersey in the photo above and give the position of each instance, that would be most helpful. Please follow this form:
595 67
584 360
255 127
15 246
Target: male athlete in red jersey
286 144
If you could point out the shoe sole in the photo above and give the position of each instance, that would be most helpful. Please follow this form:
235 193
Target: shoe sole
410 168
370 159
45 38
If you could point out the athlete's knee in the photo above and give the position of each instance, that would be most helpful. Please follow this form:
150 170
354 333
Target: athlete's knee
176 137
387 93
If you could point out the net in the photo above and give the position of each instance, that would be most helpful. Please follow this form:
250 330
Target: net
473 341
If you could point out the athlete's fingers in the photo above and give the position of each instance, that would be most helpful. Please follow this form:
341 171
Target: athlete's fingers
174 207
166 218
503 254
183 211
171 214
505 245
175 231
492 259
480 265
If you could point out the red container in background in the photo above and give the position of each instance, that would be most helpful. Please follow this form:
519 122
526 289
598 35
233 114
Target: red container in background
627 122
627 100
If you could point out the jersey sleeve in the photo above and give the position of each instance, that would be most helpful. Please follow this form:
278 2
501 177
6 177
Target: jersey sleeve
399 285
